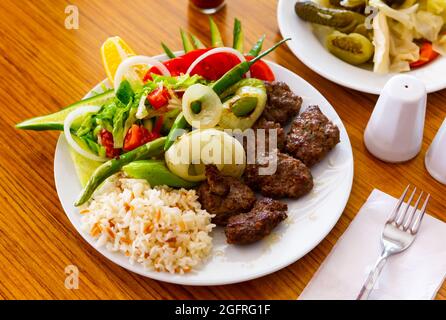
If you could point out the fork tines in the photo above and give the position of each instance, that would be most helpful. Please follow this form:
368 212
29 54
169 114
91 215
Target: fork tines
405 219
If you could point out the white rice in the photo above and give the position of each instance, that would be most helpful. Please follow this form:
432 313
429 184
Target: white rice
161 228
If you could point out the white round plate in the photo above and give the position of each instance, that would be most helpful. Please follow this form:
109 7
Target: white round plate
307 47
310 218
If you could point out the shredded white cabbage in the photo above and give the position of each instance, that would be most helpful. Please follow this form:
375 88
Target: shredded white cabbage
403 50
437 7
395 30
427 25
381 40
440 45
402 15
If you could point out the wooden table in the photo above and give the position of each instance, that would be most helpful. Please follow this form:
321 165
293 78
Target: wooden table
44 66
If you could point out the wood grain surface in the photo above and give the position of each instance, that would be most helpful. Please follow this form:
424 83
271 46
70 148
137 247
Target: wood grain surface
44 66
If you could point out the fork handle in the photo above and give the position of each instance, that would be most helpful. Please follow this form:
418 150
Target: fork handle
368 286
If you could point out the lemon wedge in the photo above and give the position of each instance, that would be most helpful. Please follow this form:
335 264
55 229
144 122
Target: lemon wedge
113 51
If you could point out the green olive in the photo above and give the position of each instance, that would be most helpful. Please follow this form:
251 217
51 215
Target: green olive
353 48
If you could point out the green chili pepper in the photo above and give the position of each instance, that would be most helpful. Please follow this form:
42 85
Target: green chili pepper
111 167
236 74
254 52
156 173
168 52
179 126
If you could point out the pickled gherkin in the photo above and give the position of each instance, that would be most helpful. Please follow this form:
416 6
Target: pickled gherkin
353 48
343 20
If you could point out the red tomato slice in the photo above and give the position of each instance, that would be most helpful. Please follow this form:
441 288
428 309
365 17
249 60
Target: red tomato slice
215 66
158 98
260 70
133 138
137 136
179 65
107 143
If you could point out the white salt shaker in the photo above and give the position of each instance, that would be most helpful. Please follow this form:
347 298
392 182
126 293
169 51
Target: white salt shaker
395 129
436 155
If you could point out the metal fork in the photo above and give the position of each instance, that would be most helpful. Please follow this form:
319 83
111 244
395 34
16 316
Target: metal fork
399 233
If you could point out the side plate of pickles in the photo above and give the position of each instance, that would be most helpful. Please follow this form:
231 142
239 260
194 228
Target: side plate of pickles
361 44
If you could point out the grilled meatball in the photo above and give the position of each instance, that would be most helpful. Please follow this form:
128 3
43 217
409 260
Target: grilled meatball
224 196
262 123
311 136
282 104
292 178
253 226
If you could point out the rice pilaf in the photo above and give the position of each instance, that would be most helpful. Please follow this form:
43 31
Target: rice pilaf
162 228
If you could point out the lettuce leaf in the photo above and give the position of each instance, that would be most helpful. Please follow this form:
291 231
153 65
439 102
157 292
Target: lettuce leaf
180 82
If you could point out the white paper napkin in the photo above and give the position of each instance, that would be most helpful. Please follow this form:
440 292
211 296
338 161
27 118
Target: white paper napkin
417 273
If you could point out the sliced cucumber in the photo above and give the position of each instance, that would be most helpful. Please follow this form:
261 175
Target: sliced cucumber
238 36
187 44
216 39
84 167
55 120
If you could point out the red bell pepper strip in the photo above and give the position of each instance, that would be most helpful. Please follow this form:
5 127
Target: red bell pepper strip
427 54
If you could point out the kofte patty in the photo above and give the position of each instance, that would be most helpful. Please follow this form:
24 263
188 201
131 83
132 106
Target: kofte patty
311 136
224 196
253 226
282 104
292 178
268 126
